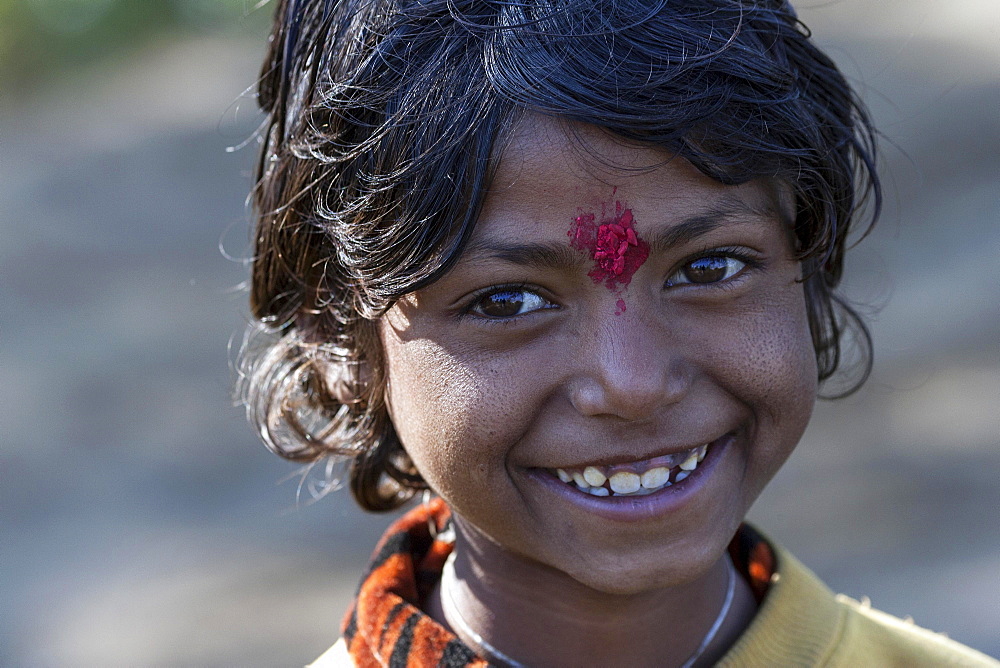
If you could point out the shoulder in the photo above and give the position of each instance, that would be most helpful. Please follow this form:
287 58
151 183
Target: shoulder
801 622
335 657
873 635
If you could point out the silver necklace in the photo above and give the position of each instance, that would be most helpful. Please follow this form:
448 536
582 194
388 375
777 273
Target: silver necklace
723 613
449 579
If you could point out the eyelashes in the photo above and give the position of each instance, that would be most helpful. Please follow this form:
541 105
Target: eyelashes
714 268
506 301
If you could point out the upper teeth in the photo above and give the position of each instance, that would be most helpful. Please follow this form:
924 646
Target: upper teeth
691 463
593 476
631 479
654 478
625 482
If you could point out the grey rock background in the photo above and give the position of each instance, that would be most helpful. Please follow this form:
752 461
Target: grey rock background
144 525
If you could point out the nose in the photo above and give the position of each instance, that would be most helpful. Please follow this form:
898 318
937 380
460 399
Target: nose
628 369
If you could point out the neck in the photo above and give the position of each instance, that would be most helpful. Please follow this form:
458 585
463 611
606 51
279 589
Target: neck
497 602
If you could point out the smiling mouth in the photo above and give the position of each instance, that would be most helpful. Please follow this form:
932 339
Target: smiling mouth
634 478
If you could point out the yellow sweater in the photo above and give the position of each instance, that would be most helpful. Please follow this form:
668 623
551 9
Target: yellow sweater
802 623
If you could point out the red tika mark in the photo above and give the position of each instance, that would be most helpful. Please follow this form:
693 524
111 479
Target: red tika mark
613 245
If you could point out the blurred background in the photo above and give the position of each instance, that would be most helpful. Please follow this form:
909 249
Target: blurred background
143 524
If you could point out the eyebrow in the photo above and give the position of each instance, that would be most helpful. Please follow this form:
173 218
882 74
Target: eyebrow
726 211
562 256
548 255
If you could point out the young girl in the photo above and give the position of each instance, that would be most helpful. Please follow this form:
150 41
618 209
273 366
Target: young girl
570 267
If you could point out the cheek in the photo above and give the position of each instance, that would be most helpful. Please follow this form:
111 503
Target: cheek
778 362
774 366
430 398
766 367
762 356
450 415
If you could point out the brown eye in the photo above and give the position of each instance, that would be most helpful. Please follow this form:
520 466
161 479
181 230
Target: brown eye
507 303
706 270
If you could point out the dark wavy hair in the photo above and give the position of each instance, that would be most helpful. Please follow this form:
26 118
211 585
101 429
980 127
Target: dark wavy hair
385 120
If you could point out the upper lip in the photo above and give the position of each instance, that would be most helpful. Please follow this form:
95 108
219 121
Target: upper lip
621 458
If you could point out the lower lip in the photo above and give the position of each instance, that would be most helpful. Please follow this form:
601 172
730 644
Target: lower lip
639 508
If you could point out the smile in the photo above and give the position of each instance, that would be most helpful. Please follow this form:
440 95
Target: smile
634 478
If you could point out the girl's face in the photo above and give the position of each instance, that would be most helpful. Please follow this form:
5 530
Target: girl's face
613 313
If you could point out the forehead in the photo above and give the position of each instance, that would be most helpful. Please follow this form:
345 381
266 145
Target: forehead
585 150
548 162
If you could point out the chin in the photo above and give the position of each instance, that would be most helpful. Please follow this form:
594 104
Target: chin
633 574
